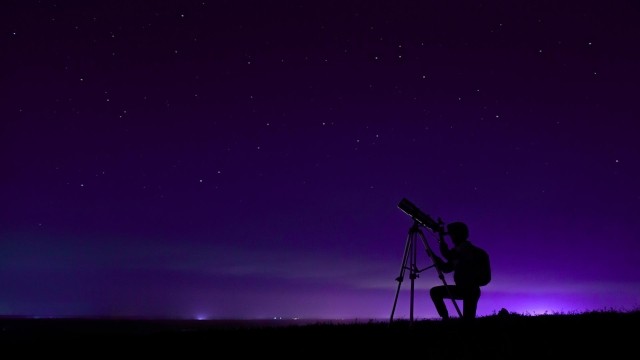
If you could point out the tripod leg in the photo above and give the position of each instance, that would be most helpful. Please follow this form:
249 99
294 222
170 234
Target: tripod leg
413 274
407 250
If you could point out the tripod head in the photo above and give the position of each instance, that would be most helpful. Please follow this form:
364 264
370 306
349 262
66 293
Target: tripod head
420 217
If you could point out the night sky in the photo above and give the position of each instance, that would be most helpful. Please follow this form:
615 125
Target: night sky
245 159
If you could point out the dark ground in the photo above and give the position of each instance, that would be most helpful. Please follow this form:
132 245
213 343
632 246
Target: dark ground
498 336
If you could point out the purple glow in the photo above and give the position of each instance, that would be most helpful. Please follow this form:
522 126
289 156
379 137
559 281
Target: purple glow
245 160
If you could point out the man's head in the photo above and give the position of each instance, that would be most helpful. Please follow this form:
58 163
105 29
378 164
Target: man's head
458 231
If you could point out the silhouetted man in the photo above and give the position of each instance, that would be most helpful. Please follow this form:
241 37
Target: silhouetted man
471 270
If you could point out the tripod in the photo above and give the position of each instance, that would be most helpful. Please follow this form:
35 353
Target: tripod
410 256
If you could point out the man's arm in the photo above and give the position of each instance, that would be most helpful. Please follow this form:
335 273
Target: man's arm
446 267
444 249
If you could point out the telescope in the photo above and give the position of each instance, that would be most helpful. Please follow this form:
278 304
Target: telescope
423 219
420 219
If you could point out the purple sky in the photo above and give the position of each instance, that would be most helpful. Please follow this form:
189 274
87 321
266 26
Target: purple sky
235 159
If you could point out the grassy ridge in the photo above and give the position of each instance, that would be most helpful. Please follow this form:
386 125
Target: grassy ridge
497 336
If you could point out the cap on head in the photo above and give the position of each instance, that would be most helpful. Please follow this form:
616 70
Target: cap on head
458 230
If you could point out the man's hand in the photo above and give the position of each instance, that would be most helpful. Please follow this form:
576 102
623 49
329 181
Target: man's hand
438 261
443 246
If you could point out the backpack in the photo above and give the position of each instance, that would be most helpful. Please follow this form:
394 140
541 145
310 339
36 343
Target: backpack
482 266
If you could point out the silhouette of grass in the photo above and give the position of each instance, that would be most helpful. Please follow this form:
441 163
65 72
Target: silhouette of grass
502 335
